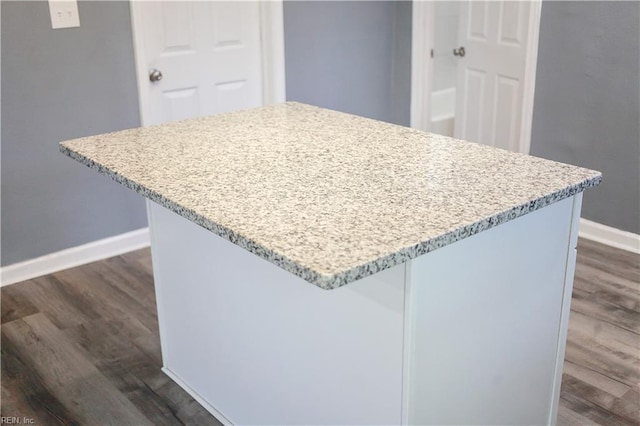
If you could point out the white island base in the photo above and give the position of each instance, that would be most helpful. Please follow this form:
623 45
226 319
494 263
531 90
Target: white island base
472 333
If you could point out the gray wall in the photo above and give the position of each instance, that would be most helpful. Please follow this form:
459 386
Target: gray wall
56 85
401 65
350 56
587 101
61 84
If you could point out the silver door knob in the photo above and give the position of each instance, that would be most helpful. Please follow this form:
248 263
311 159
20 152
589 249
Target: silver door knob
155 75
459 51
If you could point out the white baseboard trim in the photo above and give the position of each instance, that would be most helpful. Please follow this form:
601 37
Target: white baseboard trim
75 256
609 236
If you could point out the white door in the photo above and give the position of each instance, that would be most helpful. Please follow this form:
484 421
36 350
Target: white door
197 58
491 74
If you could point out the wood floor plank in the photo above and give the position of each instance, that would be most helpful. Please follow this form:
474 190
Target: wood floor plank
628 406
105 341
591 277
108 301
24 393
44 293
591 411
597 397
619 260
568 417
604 333
595 379
113 350
129 278
609 263
74 381
15 304
150 346
185 407
605 311
614 364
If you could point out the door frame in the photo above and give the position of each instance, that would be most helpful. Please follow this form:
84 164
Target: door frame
422 41
271 46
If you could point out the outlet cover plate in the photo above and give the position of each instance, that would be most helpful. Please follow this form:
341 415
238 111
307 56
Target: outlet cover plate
64 14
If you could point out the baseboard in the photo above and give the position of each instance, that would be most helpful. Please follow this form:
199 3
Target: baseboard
75 256
609 236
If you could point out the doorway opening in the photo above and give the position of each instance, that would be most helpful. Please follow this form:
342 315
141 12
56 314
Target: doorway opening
445 66
473 70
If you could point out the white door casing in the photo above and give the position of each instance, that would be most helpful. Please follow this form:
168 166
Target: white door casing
422 41
496 77
214 57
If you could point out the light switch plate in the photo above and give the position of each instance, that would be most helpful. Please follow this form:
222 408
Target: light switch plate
64 14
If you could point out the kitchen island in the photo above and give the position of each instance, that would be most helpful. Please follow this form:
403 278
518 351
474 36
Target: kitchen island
315 267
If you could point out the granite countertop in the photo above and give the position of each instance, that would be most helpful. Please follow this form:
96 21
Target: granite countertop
327 196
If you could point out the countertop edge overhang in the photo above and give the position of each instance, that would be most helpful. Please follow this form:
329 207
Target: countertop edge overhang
341 278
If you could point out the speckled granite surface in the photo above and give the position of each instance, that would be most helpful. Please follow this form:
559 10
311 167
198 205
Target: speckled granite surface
328 196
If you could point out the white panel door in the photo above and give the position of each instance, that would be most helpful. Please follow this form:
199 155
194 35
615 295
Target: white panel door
209 55
491 74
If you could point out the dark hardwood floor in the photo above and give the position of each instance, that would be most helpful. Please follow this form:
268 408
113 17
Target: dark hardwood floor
81 346
601 380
